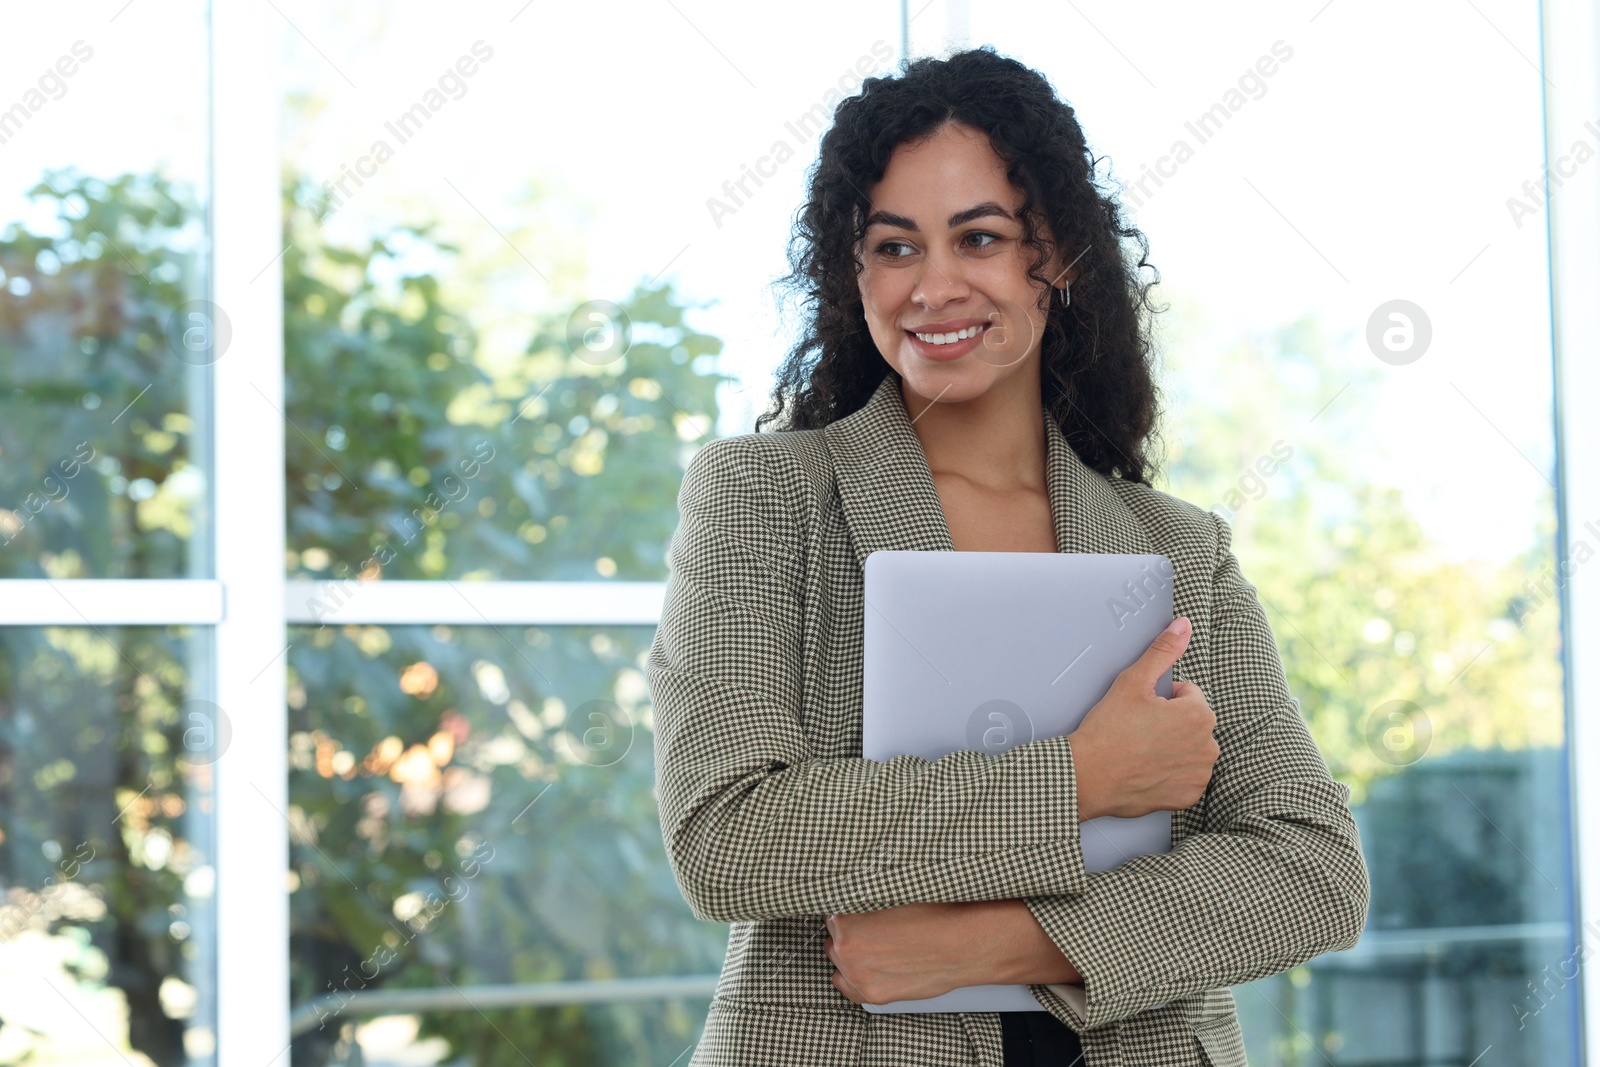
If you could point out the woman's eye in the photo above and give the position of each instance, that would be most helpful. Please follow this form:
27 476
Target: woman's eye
887 248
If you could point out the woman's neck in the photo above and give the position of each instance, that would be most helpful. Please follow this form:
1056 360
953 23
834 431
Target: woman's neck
995 440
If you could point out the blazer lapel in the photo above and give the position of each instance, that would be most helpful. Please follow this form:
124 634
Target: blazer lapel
890 500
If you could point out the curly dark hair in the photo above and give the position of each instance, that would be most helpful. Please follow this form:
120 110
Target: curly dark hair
1095 370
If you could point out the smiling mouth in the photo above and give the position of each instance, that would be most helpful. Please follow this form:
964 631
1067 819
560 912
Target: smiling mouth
949 338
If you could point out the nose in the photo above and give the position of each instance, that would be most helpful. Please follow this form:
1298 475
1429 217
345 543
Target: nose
940 282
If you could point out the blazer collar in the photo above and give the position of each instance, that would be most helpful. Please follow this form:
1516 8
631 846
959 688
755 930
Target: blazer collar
890 500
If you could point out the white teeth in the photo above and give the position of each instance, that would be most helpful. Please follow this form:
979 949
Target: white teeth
950 338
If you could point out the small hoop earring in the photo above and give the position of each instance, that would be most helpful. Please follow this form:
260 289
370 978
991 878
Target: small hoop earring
1066 294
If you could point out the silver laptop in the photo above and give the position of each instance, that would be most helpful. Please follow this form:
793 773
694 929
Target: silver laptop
988 650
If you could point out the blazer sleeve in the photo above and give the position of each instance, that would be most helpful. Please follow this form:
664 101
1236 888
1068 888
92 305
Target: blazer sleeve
1275 877
756 825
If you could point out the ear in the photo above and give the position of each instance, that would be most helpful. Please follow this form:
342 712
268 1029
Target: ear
1063 268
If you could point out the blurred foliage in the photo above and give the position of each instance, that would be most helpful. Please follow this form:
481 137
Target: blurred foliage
100 827
404 460
1366 610
100 476
416 751
565 467
1433 687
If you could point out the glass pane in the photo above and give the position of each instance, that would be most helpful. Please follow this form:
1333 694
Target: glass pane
501 349
473 807
1337 363
106 336
107 921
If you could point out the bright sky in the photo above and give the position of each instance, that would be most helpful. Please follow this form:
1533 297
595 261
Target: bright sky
1374 164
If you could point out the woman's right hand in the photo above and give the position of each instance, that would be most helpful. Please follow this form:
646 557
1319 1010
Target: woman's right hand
1136 752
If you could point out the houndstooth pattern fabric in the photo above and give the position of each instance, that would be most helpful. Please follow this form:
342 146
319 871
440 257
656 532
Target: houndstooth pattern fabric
772 819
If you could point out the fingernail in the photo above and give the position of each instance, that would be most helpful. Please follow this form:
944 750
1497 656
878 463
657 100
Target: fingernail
1175 626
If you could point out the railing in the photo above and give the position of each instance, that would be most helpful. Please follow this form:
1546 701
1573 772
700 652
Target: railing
315 1014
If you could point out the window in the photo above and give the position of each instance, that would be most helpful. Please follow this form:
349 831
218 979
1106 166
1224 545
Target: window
350 358
109 730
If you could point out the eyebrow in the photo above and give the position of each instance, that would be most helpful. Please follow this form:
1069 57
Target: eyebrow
986 209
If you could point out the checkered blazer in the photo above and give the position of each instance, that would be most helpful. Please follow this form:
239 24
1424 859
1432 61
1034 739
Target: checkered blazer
772 819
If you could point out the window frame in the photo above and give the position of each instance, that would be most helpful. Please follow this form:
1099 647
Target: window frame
1570 62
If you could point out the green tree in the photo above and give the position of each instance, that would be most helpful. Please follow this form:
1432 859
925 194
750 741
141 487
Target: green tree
99 474
585 453
1432 685
99 478
400 448
1269 432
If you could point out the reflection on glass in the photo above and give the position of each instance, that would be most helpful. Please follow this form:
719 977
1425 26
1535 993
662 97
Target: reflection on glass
107 926
473 807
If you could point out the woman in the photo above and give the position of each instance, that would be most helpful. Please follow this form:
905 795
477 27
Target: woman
974 376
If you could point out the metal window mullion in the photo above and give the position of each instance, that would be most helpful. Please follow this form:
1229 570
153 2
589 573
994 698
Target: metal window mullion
1571 68
514 603
110 602
252 843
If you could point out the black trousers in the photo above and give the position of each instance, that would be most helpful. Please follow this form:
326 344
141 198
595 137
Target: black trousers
1038 1039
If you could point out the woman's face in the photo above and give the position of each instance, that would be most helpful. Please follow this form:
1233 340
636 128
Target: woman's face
944 256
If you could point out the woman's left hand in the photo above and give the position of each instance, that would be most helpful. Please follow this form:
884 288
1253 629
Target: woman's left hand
917 951
905 953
